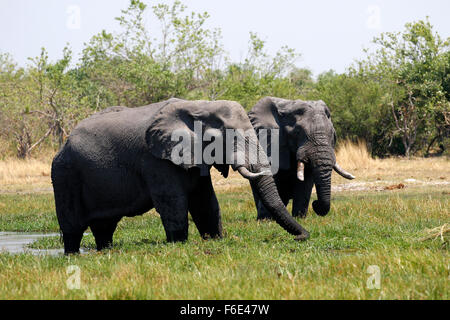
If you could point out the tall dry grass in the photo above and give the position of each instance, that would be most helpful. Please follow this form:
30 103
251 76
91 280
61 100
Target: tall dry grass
20 175
356 158
34 174
354 155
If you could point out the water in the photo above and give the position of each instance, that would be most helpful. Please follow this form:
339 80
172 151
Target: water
17 242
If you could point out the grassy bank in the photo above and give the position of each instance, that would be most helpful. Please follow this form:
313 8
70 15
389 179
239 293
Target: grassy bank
253 261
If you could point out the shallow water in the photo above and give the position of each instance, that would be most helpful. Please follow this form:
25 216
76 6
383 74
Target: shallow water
17 242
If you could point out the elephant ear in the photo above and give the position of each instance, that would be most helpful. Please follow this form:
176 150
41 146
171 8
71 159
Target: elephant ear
171 125
172 131
267 114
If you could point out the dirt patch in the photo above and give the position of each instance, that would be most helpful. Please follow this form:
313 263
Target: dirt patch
28 191
385 185
395 187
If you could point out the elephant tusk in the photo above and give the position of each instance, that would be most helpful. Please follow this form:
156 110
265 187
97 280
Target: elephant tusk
250 175
343 173
301 171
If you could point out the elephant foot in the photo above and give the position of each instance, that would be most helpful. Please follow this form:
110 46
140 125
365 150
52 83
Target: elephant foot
103 231
300 214
213 236
72 242
103 239
177 236
103 244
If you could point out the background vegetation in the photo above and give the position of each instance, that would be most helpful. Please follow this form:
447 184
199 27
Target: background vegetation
396 100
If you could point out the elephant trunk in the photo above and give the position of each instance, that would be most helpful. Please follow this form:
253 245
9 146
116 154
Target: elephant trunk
268 193
257 170
321 159
322 181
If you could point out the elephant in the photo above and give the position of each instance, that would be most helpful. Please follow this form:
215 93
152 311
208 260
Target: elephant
120 163
306 145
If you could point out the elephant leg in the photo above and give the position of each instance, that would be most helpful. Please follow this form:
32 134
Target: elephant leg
302 195
263 213
285 195
167 188
103 231
72 242
204 209
69 210
174 215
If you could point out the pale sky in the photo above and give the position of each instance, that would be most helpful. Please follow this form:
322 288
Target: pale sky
329 34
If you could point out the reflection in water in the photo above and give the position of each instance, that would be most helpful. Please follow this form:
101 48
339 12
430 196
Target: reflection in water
17 242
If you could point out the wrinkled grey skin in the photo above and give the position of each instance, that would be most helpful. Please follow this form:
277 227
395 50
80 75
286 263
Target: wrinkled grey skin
306 135
118 163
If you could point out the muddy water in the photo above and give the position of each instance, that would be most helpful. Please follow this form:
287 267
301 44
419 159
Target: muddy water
17 242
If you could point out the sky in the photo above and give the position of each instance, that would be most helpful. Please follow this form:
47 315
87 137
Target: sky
329 34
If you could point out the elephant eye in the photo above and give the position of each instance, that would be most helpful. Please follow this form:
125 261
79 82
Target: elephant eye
301 112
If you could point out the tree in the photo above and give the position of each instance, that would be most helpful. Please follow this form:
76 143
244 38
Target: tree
354 102
302 80
59 102
259 74
135 67
40 101
409 67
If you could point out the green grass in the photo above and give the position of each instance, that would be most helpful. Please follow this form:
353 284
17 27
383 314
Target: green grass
28 213
254 260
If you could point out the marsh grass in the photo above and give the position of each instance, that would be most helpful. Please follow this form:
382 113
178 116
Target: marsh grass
255 260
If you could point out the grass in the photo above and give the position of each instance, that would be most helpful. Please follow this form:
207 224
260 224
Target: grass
388 229
356 159
33 176
25 175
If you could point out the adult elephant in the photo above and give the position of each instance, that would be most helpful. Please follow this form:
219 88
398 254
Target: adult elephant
306 152
120 162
